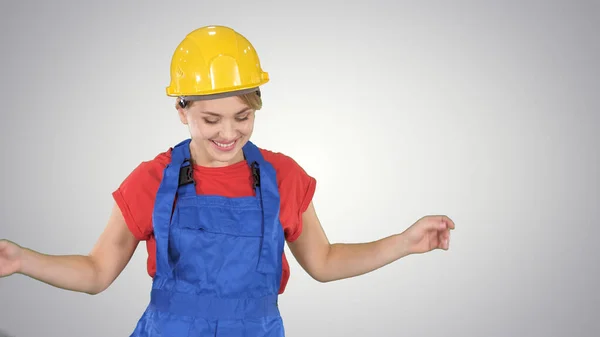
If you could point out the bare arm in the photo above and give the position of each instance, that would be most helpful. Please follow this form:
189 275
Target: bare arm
327 262
92 273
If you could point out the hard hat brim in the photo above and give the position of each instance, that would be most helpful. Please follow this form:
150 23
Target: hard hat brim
219 95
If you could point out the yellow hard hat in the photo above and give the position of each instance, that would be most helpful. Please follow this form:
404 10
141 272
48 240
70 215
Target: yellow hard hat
214 61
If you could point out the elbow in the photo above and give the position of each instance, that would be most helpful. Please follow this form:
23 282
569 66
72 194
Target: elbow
323 279
98 282
318 278
93 292
96 288
321 275
321 270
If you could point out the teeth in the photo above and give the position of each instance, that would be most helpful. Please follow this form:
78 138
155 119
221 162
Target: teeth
224 145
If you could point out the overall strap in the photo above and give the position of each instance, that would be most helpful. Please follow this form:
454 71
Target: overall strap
187 184
265 185
165 199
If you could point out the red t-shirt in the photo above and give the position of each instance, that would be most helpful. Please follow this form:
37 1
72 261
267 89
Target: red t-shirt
135 196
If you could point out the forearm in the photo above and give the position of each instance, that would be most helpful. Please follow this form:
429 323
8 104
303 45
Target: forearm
69 272
349 260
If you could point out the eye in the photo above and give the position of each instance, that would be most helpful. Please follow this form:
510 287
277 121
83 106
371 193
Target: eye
243 117
211 121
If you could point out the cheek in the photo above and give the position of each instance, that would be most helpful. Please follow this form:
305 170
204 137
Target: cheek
246 128
199 129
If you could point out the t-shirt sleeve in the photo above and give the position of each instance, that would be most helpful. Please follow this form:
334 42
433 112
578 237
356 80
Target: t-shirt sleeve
135 197
296 189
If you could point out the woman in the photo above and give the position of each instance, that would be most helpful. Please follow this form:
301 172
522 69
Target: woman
215 211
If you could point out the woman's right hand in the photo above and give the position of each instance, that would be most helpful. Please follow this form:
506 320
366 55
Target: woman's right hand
90 273
10 258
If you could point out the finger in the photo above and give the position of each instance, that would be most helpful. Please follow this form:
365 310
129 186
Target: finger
442 222
442 244
447 241
446 234
432 224
440 240
438 223
449 222
444 239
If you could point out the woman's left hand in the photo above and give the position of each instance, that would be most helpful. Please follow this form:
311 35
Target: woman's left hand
429 233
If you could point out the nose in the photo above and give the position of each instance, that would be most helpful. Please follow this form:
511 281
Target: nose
229 131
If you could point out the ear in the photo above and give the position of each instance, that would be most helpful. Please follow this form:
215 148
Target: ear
182 112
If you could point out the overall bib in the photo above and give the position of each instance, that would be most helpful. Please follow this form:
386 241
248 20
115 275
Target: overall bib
218 259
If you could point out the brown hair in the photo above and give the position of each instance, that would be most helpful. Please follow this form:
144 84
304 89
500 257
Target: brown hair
252 100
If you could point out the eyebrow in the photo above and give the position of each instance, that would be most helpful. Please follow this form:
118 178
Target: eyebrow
219 115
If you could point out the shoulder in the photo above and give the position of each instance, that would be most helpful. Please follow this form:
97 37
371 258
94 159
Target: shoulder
149 170
282 163
136 193
288 170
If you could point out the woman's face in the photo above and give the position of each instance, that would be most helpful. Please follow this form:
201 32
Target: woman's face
219 128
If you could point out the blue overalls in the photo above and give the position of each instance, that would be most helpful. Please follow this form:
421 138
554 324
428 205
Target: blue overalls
218 259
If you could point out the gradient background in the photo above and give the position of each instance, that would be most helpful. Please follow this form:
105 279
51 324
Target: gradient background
487 112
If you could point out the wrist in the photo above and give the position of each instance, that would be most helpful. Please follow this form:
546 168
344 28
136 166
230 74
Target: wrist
22 260
403 246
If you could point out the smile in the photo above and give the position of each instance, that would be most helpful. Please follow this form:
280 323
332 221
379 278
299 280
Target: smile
224 146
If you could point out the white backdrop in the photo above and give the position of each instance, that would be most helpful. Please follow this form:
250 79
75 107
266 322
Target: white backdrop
486 112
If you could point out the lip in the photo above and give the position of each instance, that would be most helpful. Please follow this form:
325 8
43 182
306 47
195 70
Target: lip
224 148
